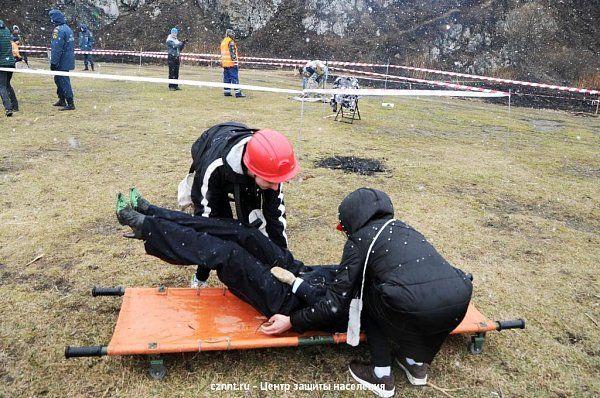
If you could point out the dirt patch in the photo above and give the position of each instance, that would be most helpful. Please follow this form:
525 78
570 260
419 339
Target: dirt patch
7 166
104 228
546 126
37 282
581 170
545 210
351 164
570 338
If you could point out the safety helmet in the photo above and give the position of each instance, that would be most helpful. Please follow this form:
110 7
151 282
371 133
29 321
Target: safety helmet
174 31
16 28
270 156
230 33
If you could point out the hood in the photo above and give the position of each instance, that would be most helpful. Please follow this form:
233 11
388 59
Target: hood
57 17
2 26
362 206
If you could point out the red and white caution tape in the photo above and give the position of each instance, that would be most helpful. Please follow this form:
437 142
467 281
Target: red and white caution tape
300 62
442 72
428 82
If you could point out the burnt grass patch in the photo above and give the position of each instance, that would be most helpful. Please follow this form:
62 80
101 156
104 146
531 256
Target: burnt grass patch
351 164
549 211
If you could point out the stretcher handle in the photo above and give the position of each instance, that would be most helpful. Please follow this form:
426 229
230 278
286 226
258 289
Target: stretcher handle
91 351
107 291
511 324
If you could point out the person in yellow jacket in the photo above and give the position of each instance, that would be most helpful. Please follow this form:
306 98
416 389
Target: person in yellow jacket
229 61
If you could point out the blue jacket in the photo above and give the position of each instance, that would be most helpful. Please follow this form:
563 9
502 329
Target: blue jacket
86 39
62 44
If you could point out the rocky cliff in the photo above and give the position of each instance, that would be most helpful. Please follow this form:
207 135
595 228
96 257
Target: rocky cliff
552 41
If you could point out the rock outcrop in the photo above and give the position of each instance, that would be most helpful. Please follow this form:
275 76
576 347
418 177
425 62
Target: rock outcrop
539 39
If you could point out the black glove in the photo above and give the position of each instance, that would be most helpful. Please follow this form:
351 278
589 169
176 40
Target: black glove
53 67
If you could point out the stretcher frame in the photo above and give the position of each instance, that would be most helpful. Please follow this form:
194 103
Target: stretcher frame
350 115
155 321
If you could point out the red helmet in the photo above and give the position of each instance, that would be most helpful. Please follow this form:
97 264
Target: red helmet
270 156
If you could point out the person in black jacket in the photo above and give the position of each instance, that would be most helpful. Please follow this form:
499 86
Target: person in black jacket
174 48
412 296
241 254
249 164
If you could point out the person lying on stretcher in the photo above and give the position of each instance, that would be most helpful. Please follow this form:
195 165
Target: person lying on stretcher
412 296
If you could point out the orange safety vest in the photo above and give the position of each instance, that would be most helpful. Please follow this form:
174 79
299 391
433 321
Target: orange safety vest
226 60
15 49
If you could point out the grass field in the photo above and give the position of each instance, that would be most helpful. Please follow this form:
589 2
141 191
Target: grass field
514 199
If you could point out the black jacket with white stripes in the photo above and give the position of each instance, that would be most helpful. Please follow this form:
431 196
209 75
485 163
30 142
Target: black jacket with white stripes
220 168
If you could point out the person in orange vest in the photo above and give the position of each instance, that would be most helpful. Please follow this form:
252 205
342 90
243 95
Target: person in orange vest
229 61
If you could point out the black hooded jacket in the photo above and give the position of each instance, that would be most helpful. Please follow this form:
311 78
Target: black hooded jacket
411 279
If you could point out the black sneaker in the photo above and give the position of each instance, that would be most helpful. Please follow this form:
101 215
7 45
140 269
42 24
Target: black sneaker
9 113
60 102
240 95
365 375
417 375
68 107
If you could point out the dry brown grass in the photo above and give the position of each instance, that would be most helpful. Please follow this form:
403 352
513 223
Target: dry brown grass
590 80
518 207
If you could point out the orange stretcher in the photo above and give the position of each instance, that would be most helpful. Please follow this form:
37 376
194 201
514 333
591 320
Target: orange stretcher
155 321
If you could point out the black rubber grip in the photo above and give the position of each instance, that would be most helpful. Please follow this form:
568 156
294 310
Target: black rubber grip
512 324
91 351
107 291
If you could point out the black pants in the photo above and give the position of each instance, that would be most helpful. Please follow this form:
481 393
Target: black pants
242 256
417 336
9 98
377 341
173 70
88 59
64 91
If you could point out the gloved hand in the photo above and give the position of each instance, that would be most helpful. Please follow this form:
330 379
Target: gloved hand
185 41
53 67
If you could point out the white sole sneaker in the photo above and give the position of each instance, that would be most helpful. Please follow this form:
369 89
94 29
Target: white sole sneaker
373 387
412 379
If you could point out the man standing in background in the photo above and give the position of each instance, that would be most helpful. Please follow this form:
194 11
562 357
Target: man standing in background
62 59
9 99
229 61
174 47
86 43
18 39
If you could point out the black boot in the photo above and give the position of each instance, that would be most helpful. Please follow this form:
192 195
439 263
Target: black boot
70 106
60 102
9 112
130 217
86 68
127 216
92 65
